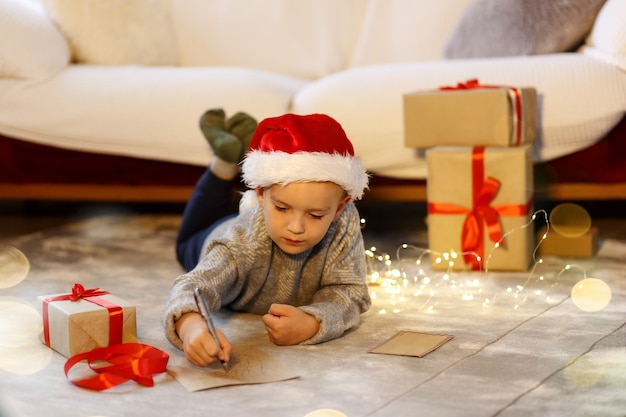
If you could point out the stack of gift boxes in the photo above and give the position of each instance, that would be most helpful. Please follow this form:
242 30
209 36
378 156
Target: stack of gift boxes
480 173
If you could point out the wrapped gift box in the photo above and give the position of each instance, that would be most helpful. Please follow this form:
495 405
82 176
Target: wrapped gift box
86 319
477 197
584 246
499 116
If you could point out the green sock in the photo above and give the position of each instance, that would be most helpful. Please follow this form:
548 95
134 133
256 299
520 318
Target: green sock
243 126
224 145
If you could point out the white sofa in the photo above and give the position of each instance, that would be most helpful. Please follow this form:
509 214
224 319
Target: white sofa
131 77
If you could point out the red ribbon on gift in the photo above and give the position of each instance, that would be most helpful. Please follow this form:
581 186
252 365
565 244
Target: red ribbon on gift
482 212
116 313
515 93
127 361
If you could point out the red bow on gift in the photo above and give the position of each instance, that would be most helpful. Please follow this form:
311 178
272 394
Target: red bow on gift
473 83
78 292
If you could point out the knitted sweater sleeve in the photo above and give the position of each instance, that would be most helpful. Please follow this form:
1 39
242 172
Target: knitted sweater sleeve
215 275
343 294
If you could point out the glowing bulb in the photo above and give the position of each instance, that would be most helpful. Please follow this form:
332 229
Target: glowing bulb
591 294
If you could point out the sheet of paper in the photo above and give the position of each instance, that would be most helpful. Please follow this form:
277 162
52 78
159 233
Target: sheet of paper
411 344
248 365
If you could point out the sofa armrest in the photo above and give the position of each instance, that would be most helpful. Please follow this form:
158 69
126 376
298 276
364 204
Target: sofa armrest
607 40
31 47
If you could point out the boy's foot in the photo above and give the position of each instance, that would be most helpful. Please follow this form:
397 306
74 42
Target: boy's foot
225 146
242 125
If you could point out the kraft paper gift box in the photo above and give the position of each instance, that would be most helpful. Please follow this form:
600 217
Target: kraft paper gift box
86 319
479 197
554 244
470 116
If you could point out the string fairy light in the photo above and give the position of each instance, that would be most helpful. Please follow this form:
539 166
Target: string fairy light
407 281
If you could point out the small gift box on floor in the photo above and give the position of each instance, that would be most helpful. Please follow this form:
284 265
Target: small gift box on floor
479 198
86 319
554 244
470 114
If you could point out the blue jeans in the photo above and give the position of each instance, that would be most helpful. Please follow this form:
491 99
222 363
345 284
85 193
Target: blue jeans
208 206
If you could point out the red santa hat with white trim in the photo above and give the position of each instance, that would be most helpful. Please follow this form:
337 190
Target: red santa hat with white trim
303 148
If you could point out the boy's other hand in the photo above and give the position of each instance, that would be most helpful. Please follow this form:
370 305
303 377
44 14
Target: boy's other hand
198 344
288 325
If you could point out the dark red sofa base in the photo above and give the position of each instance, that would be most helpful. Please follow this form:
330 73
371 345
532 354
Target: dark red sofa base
33 171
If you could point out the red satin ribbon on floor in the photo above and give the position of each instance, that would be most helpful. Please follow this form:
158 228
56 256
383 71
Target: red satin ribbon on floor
482 212
128 361
517 101
116 313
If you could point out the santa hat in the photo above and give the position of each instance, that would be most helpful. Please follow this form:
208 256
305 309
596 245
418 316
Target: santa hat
294 148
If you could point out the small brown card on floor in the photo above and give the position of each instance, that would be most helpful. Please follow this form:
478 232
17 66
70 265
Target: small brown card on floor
411 344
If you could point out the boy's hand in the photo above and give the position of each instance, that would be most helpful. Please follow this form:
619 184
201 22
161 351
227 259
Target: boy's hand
287 325
198 344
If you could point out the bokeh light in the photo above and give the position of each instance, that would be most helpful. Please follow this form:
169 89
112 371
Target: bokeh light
570 220
14 266
21 351
591 294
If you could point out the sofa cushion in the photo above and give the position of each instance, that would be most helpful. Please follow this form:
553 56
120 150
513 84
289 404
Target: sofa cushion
117 32
31 47
607 40
492 28
305 38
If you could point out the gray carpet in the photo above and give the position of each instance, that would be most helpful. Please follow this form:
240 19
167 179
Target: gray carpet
538 354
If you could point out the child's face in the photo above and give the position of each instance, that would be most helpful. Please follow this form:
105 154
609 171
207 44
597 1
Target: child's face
297 215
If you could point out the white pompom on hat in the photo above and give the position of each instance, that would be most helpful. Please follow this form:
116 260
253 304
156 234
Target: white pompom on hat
303 148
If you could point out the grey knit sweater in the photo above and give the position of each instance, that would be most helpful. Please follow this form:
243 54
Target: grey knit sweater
244 270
